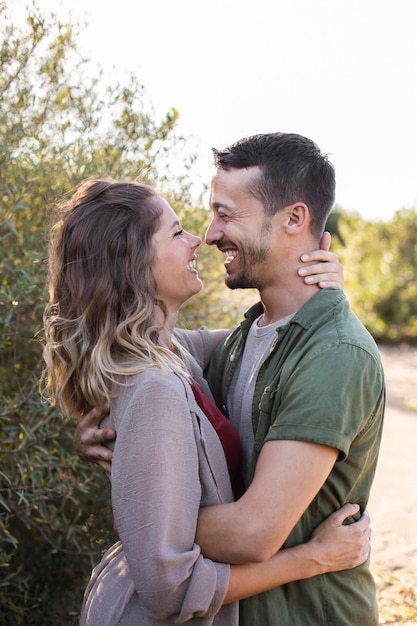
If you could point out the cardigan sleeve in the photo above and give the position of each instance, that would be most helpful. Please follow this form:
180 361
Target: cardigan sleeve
201 343
156 495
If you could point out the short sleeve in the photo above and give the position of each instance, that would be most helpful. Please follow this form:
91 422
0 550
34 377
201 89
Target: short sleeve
328 397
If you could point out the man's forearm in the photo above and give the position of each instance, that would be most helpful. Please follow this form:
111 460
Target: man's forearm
288 476
230 534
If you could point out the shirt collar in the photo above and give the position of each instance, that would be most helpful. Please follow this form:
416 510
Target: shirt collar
309 312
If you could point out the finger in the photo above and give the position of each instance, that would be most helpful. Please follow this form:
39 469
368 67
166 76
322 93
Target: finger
322 256
86 440
95 416
348 510
106 465
330 283
326 240
103 454
97 454
100 435
326 278
332 268
364 522
104 458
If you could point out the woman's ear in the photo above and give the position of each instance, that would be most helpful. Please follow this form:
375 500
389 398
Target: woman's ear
298 218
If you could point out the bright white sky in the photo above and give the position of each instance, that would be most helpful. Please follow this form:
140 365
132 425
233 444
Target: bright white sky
342 72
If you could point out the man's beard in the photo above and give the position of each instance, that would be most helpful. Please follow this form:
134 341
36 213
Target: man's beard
250 256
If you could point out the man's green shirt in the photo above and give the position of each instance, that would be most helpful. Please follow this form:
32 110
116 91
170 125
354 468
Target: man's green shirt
321 382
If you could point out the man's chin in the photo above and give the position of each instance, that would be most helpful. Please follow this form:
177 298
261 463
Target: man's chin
238 282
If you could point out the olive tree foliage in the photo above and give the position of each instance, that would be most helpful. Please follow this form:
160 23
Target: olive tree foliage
59 125
380 265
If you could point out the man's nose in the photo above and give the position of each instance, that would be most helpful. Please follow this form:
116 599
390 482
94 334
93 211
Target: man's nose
213 233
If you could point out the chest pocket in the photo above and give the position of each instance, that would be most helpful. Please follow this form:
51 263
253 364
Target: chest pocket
266 415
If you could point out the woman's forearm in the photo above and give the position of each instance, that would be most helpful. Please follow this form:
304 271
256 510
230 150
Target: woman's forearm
332 548
286 566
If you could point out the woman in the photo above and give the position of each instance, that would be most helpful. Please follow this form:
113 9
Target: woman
121 268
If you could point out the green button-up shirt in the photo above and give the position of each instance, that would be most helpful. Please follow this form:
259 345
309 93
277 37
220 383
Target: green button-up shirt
321 382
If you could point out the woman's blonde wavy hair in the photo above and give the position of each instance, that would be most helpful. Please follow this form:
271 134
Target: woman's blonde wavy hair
100 321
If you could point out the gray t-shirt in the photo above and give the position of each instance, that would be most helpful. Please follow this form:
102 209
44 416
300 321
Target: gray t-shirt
240 396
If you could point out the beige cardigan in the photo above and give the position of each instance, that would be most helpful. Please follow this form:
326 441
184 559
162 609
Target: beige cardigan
168 461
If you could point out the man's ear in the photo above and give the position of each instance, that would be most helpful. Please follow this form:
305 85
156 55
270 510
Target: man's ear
298 218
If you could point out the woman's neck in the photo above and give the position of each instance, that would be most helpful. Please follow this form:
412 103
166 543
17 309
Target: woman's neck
168 325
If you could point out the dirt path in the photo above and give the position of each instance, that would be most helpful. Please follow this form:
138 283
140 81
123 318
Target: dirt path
393 501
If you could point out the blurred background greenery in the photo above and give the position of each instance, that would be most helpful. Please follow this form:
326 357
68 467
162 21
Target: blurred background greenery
59 126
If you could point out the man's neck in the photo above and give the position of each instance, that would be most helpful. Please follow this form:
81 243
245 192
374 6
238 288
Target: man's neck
281 301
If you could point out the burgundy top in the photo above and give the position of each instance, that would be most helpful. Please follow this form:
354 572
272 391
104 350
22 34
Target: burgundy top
228 436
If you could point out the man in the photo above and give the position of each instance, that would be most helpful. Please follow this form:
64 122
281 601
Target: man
300 378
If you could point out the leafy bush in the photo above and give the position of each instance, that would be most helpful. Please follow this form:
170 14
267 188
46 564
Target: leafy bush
50 535
55 517
380 261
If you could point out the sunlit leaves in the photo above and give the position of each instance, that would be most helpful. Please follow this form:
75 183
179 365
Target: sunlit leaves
380 261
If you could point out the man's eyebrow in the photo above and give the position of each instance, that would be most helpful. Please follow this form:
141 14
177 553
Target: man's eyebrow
221 205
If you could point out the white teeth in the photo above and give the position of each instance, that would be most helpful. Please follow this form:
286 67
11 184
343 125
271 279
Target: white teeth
229 254
192 265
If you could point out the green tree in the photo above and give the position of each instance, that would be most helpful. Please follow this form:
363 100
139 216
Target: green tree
57 127
380 261
395 311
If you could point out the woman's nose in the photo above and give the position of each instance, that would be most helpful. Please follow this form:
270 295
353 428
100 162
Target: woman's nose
195 240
